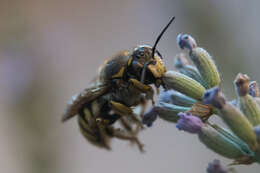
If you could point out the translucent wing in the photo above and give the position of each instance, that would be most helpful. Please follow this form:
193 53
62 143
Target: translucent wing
86 96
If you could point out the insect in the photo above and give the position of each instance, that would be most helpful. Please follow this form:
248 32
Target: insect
124 82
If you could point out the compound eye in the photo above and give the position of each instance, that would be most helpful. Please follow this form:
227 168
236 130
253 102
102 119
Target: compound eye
141 54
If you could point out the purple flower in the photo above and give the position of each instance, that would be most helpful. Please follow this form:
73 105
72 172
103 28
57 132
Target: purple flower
253 89
150 117
216 167
186 41
189 123
214 97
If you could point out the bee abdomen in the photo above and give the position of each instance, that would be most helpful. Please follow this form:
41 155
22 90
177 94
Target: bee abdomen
88 127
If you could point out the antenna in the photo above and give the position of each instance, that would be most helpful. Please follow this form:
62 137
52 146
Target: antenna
160 36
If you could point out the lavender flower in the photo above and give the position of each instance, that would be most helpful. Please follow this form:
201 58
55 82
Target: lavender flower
186 41
216 167
189 123
195 90
214 97
150 117
253 89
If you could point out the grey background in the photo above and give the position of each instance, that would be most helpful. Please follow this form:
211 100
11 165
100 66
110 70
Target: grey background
51 49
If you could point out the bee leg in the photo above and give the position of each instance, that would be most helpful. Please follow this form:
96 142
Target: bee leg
143 106
122 135
126 124
147 89
123 110
102 125
157 91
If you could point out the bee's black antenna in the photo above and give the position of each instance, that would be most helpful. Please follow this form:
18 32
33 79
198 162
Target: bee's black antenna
161 34
154 47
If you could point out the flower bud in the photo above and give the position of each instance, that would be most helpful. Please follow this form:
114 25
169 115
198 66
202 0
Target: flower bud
206 66
181 63
239 124
246 103
169 112
186 41
257 132
244 148
180 60
257 99
219 143
216 167
183 84
242 84
149 117
176 98
214 97
189 123
254 89
232 116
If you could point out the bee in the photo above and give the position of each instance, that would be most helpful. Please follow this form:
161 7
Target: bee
124 82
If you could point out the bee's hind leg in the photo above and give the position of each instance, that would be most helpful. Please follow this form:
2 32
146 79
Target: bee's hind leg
126 124
128 127
120 134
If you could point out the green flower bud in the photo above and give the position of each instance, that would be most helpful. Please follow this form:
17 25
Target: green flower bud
241 145
239 124
246 103
180 60
176 98
169 112
254 89
257 99
206 66
257 132
183 84
232 116
219 143
182 64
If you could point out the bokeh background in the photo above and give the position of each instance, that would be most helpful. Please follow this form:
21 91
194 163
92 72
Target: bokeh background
51 49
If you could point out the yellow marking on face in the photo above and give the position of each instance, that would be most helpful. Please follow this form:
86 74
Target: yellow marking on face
158 69
120 73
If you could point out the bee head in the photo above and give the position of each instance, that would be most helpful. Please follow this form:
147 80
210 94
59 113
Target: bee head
148 66
147 61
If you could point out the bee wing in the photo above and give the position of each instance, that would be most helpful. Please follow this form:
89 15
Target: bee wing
86 96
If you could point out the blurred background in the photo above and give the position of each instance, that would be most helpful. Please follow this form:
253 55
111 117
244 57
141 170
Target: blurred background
51 49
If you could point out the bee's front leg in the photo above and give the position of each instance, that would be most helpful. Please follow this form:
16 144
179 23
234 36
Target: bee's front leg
123 110
147 89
